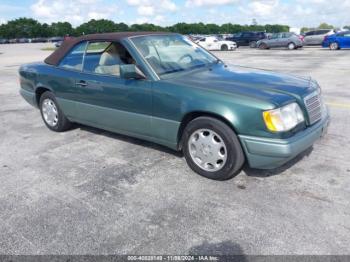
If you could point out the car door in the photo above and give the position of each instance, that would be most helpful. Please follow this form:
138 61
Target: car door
246 38
284 39
203 42
106 100
345 40
273 41
64 80
309 37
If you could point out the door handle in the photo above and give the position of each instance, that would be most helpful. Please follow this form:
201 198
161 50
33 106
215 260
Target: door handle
81 83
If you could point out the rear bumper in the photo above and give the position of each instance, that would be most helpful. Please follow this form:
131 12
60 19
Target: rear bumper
267 153
28 96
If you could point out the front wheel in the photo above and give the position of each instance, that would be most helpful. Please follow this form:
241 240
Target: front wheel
334 46
212 149
51 113
263 46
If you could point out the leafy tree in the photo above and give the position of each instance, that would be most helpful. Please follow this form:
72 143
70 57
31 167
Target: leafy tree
325 26
61 29
146 27
347 27
27 27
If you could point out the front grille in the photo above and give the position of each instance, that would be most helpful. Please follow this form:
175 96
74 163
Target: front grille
313 105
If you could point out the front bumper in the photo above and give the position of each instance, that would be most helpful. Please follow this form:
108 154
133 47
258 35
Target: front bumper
28 96
267 153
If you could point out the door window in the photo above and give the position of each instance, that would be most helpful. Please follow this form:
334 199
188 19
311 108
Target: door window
74 59
246 35
105 58
310 33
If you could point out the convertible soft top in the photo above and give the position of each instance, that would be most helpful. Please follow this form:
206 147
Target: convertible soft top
68 44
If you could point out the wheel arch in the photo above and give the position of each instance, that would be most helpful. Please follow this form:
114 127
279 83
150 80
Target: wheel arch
39 90
187 118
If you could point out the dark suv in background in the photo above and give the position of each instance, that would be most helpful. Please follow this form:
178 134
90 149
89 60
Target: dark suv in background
247 38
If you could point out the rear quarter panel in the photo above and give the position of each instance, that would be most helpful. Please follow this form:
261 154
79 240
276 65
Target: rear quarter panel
59 81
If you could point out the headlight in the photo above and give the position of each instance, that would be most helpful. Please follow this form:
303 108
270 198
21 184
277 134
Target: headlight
284 118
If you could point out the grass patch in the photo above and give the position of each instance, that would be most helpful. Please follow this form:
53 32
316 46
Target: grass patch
48 49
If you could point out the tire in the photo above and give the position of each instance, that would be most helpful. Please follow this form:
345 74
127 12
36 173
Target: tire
224 48
51 113
263 46
252 44
212 149
291 46
334 46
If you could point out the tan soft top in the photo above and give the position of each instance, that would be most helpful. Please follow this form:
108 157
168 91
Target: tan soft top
68 44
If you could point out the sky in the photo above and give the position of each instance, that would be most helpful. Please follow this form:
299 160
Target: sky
295 13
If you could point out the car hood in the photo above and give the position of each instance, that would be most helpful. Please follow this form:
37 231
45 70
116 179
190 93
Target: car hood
247 81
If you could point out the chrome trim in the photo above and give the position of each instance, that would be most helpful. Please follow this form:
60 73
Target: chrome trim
313 104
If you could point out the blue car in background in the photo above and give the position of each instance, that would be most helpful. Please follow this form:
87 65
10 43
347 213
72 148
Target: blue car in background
337 41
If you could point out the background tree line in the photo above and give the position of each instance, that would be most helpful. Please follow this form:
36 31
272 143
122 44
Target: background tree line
30 28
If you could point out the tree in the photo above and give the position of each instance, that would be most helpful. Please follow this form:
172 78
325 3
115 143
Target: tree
325 26
27 27
61 29
95 26
347 27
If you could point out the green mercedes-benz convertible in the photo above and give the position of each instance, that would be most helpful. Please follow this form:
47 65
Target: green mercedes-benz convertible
164 88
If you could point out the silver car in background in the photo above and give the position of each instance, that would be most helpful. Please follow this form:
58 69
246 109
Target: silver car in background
288 40
316 37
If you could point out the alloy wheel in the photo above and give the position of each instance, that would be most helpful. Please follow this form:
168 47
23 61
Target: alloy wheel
50 112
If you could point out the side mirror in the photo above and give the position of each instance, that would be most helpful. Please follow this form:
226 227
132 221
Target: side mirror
131 71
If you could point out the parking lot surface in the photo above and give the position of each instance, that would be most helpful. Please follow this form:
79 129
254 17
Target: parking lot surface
87 191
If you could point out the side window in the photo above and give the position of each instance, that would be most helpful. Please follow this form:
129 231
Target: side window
347 34
274 36
74 59
202 40
93 54
105 58
310 33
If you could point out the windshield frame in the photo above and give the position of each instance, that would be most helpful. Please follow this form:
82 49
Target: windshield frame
166 75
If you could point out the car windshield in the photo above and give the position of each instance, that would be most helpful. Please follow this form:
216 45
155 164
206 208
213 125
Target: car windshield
167 54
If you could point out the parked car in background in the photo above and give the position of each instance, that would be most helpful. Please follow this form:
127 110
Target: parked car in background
289 40
316 37
337 41
213 43
13 41
247 38
163 88
55 39
58 44
4 41
23 40
39 40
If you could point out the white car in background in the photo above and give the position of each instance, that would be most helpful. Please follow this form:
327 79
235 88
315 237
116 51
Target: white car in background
213 43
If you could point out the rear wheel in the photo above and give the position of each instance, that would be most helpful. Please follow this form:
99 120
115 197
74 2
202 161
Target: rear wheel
263 46
291 46
51 113
224 48
212 149
334 46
